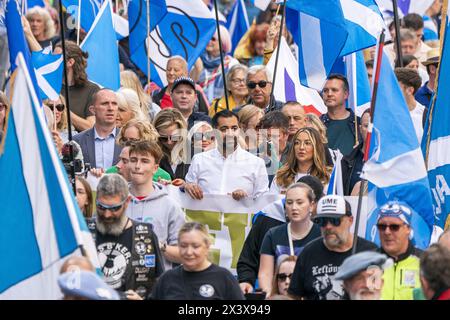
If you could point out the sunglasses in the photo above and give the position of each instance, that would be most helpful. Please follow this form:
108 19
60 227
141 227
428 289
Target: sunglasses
283 276
203 135
173 138
113 208
59 107
392 227
261 84
323 221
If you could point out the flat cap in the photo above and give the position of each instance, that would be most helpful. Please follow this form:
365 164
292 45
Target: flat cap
359 262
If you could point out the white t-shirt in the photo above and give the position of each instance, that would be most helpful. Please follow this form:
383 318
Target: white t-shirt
417 119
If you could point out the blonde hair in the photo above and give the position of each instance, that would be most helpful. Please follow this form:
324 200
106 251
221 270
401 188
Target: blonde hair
195 226
286 174
128 98
146 131
164 119
248 112
313 121
277 269
129 79
48 21
62 125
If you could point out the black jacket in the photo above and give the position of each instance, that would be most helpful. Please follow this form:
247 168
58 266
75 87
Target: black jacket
248 263
351 168
180 172
350 121
273 105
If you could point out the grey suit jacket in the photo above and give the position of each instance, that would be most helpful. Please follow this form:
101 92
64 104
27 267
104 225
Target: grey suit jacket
86 140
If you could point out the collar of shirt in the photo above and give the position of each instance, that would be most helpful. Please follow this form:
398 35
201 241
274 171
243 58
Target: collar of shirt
233 155
112 134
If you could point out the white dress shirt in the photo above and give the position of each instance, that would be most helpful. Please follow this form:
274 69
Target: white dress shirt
417 119
216 174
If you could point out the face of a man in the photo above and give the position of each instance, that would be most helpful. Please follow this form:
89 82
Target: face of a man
297 118
408 47
260 94
407 91
334 94
366 285
395 238
142 168
112 220
122 166
337 236
229 133
175 69
105 108
183 98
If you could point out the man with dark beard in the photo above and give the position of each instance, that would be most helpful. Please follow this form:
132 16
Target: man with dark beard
227 169
128 251
320 260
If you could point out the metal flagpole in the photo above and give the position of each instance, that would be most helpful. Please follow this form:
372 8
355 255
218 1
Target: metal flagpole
399 62
148 45
78 22
221 55
66 88
369 134
280 35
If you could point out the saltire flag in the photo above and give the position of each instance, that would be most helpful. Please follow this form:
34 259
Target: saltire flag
287 82
323 36
49 70
437 132
261 4
396 168
89 10
35 3
405 6
41 224
101 44
184 28
237 23
336 184
358 80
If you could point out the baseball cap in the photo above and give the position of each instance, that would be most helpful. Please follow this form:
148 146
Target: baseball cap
86 284
333 206
183 80
396 209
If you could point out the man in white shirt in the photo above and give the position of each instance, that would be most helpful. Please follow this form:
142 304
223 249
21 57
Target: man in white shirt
227 169
410 82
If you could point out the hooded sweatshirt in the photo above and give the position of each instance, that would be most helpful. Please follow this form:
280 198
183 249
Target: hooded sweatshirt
158 209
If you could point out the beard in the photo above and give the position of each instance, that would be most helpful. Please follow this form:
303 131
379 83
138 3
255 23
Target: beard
365 294
112 226
337 241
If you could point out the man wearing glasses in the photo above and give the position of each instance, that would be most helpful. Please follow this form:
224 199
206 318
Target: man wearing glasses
128 251
394 227
259 84
320 260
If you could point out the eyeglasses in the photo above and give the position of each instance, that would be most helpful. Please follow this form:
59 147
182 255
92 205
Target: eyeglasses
323 221
261 84
392 227
113 208
283 276
173 138
203 135
237 81
59 107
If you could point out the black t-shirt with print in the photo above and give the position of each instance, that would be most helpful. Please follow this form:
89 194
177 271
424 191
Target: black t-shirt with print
213 283
315 268
276 241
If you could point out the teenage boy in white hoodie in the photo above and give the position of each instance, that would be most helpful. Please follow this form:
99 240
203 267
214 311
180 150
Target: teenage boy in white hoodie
150 201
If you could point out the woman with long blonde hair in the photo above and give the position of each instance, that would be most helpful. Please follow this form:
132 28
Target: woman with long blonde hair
306 157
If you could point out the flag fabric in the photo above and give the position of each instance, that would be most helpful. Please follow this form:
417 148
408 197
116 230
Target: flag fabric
437 130
261 4
34 3
287 82
358 80
101 44
355 25
396 167
237 23
40 223
49 70
89 10
336 184
430 31
184 28
406 6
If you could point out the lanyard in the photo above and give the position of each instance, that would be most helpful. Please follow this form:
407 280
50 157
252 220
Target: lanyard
291 242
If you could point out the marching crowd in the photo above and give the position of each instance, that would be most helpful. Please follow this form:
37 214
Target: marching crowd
141 138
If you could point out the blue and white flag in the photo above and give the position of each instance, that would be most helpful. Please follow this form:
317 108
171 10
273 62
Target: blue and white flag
101 44
323 36
49 70
358 80
89 10
261 4
336 184
405 6
287 82
430 31
396 168
237 23
35 3
184 28
438 133
40 221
